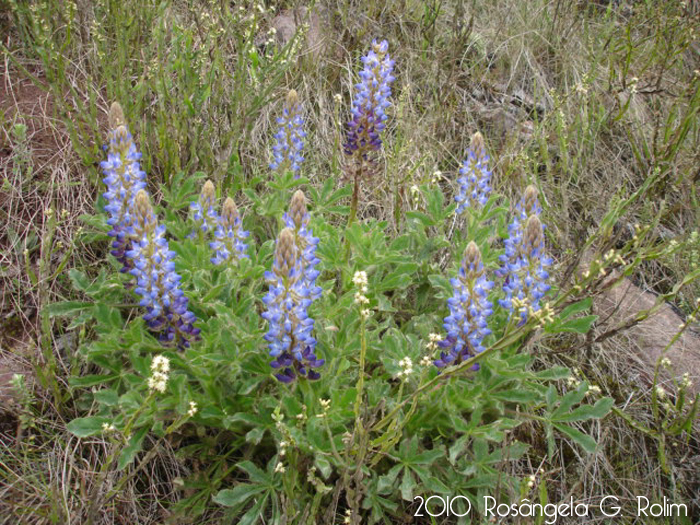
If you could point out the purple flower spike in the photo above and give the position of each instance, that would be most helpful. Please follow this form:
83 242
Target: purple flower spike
289 140
525 271
475 177
292 290
470 308
156 280
371 101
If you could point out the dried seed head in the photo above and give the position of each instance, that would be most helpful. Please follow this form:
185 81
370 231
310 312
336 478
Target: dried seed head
530 199
472 260
285 251
229 213
292 98
477 145
116 116
208 194
533 236
297 208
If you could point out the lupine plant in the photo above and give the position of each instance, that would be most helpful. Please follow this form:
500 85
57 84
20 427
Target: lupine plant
230 245
368 114
204 210
474 177
289 139
316 380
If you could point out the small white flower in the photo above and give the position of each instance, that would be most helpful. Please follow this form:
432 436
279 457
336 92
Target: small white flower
660 392
280 468
360 278
338 98
158 381
426 361
193 409
593 390
160 363
665 362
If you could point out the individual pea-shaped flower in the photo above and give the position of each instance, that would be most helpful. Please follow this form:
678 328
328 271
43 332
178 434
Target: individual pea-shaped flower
289 140
289 335
467 324
298 220
205 216
526 280
230 236
124 178
156 280
528 205
474 177
371 101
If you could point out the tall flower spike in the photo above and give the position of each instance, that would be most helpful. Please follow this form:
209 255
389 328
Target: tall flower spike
230 236
298 220
289 140
371 101
475 177
204 209
528 205
526 280
289 335
467 324
156 280
124 178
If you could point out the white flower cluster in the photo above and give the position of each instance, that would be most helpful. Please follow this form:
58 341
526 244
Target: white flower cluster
686 382
325 407
193 409
159 378
433 340
361 300
108 427
406 368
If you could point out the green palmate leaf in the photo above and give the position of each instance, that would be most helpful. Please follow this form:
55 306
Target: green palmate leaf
86 426
585 441
238 495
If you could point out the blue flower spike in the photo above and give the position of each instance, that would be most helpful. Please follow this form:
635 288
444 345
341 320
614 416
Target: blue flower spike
474 177
124 178
289 336
467 324
298 220
156 280
205 216
528 205
526 279
371 101
289 139
230 245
